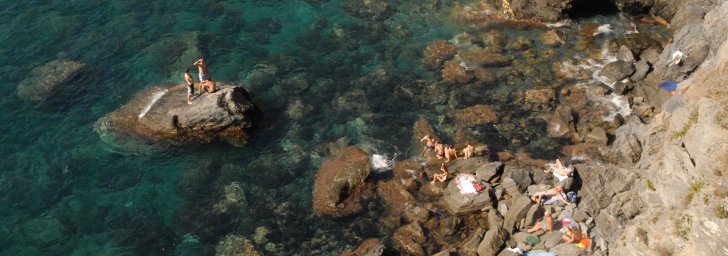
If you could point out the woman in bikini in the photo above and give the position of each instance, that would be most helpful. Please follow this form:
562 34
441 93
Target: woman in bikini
441 177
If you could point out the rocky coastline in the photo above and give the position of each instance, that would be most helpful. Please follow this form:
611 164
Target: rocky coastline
649 165
649 183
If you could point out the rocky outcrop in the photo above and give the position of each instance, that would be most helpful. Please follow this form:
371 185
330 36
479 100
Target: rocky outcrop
161 116
50 78
236 245
465 203
544 10
339 182
475 115
408 239
437 53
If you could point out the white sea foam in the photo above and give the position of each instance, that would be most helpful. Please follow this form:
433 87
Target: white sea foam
381 163
616 105
155 97
564 23
603 29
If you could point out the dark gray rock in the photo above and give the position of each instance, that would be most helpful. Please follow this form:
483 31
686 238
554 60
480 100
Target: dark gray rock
488 171
470 165
470 247
566 250
534 213
637 42
417 214
518 211
459 204
408 239
493 241
510 186
642 67
597 136
48 79
561 124
625 54
545 10
627 148
617 70
650 55
522 179
551 239
622 88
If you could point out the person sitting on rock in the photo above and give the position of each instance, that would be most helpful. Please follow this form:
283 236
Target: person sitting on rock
450 153
546 224
190 86
441 177
439 150
572 234
209 86
550 196
429 144
468 151
202 70
559 170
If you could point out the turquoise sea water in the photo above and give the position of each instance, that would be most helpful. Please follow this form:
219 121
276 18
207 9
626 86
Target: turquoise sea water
64 192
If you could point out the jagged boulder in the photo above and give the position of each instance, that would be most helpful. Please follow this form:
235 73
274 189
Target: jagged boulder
518 211
408 239
561 124
339 182
161 116
545 10
617 70
489 171
48 79
493 241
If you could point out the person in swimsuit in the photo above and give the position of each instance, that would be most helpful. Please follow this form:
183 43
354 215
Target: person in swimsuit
439 150
441 177
468 151
559 169
450 153
209 86
429 144
202 70
572 235
190 86
557 191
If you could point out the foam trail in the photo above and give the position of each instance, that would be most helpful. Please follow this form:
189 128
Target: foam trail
155 97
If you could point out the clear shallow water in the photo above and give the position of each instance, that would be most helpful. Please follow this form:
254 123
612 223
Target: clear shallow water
64 192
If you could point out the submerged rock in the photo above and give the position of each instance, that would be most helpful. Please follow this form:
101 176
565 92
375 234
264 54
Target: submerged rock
48 79
236 245
437 53
545 10
408 239
338 182
162 117
370 247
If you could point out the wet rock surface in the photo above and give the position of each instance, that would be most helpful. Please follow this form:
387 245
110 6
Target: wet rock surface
161 116
339 182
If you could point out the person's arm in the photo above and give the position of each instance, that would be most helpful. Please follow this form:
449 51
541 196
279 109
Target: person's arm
561 196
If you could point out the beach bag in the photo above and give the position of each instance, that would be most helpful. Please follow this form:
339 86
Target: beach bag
571 197
584 242
478 186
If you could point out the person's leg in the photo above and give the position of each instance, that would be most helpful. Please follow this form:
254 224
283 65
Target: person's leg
535 228
442 177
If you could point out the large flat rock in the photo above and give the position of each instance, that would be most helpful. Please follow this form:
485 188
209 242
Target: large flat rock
161 116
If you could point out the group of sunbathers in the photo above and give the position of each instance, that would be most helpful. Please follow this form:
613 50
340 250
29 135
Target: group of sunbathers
550 196
207 85
445 151
570 229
